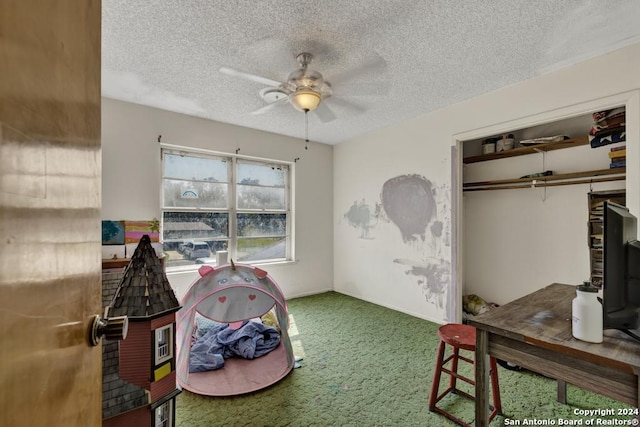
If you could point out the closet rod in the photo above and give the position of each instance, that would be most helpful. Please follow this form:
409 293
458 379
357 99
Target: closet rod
541 183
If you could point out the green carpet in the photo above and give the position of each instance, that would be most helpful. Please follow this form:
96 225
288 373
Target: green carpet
366 365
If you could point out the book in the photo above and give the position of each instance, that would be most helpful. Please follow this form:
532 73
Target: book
621 147
619 159
614 165
617 153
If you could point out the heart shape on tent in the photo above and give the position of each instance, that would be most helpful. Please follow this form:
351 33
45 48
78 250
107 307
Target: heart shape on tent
252 297
204 270
222 298
260 274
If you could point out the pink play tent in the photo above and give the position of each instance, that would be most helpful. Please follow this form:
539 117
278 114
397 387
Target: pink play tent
231 294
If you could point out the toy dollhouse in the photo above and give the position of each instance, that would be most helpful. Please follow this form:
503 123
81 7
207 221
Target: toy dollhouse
139 379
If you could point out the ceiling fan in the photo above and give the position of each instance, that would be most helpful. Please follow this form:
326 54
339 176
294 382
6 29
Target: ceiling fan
307 90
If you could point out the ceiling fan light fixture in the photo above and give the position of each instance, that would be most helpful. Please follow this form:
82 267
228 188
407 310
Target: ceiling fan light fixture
305 99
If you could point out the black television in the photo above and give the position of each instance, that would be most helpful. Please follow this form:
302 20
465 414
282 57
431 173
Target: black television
621 270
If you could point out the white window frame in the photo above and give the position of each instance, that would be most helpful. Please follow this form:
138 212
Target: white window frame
164 414
232 209
167 354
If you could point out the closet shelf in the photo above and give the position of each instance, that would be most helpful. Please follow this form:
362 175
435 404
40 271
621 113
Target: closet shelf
522 151
584 177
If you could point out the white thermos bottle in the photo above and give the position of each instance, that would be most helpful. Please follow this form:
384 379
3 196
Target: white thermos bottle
586 314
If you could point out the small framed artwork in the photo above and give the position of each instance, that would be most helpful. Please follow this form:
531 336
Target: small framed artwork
134 230
113 232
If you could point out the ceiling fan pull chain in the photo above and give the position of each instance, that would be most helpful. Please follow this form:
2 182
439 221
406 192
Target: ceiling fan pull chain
306 129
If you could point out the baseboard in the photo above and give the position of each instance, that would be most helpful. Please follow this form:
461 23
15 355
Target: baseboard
390 307
310 293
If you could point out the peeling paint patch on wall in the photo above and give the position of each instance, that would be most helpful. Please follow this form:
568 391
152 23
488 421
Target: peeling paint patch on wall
409 204
421 211
433 276
360 216
416 206
431 269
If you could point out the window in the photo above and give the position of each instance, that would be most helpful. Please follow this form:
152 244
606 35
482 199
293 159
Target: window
227 203
164 416
164 344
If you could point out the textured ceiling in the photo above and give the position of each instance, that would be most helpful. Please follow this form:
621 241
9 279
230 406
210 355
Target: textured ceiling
427 54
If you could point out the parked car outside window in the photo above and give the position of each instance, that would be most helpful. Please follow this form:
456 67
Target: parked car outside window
193 250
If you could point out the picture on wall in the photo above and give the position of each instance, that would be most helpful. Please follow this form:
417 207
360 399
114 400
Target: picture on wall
134 230
113 232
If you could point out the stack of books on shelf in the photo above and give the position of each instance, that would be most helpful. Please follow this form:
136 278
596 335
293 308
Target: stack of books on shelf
595 241
618 156
596 215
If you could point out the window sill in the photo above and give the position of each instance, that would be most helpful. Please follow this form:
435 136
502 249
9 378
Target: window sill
195 267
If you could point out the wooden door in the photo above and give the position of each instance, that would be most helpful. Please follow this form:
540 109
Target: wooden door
50 198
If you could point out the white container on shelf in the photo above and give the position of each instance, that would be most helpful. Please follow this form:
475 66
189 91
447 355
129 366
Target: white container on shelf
504 144
222 258
488 147
586 314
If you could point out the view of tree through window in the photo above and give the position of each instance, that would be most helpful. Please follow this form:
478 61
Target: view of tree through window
224 203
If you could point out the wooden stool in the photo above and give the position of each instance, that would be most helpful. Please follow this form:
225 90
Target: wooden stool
460 337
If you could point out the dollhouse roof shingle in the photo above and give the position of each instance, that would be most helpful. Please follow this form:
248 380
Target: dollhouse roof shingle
144 290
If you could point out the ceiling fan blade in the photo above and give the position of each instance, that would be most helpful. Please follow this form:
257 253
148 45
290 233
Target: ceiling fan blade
370 88
268 107
343 103
250 77
373 64
324 113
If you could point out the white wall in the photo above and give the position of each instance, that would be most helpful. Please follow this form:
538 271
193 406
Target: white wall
380 266
365 268
131 182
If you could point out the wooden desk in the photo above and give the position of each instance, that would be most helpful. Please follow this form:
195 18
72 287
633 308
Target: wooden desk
535 332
